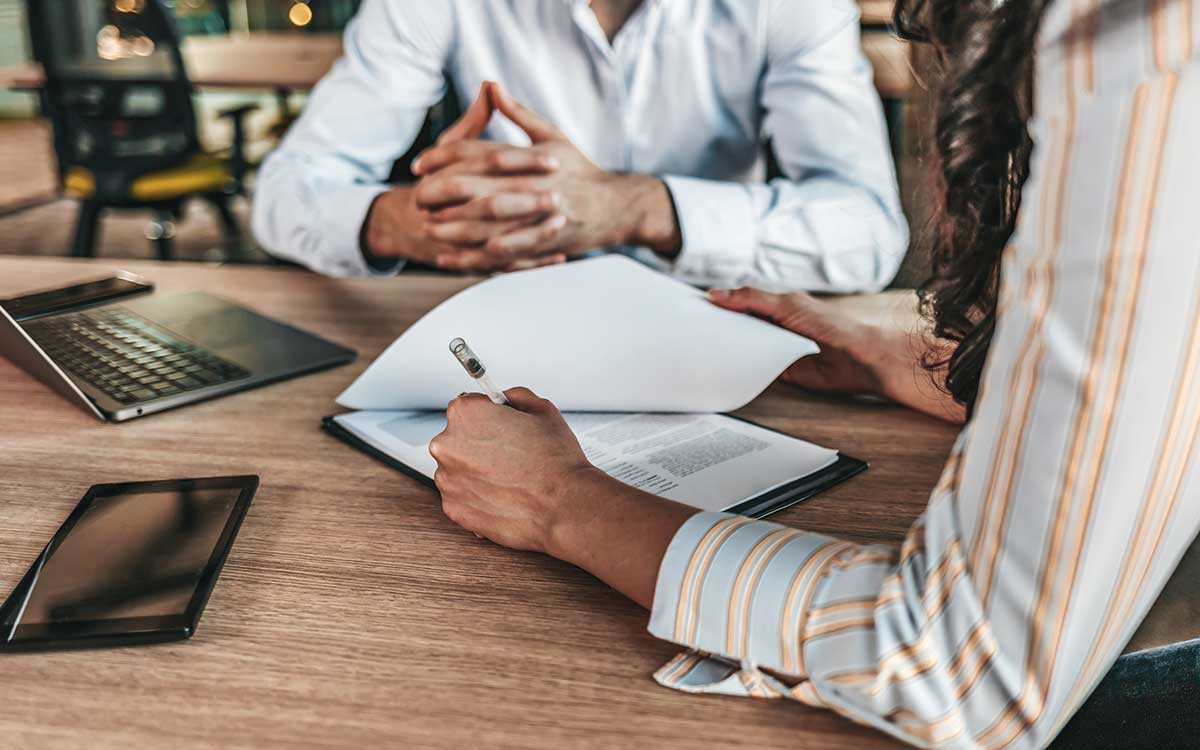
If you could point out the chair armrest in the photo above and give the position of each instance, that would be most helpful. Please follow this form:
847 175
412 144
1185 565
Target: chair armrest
237 149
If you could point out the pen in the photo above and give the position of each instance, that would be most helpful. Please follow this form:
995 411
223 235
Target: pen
477 371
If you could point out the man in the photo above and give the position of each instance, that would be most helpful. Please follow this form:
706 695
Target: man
636 125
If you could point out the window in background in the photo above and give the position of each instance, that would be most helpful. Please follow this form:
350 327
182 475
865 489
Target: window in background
293 15
14 50
201 17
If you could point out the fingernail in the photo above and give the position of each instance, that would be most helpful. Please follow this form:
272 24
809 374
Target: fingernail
443 261
416 166
718 294
558 222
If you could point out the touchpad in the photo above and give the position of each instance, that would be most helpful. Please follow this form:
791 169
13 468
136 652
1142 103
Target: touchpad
252 341
225 328
263 346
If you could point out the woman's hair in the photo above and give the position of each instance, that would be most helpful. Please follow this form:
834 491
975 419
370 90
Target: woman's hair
981 147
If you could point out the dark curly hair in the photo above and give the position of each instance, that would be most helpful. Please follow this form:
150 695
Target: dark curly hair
983 50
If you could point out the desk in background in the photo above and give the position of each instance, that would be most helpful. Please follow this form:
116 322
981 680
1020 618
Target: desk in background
283 61
351 611
263 60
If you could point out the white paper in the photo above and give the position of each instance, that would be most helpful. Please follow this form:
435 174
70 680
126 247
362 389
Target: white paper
602 335
708 461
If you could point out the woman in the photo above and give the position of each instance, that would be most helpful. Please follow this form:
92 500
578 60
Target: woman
1063 326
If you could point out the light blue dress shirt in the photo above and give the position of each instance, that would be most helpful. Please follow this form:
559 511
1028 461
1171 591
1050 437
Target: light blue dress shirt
688 90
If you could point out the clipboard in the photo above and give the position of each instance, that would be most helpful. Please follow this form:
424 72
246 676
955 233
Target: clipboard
761 506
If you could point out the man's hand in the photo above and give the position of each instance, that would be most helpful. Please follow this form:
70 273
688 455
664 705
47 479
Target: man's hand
497 205
396 227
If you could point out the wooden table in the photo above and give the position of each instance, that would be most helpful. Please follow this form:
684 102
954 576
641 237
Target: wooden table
351 611
261 60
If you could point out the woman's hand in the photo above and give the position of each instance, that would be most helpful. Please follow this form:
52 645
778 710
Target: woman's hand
870 344
507 473
845 363
517 476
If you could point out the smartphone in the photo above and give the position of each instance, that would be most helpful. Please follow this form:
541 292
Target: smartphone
134 563
87 294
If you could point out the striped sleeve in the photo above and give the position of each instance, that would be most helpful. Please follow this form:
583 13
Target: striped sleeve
1074 491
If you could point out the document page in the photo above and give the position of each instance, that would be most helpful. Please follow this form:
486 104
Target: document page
708 461
602 335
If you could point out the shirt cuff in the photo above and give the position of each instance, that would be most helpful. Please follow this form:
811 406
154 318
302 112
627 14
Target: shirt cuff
742 589
343 217
717 222
706 582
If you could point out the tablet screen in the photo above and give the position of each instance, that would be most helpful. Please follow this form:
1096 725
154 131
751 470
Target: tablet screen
128 551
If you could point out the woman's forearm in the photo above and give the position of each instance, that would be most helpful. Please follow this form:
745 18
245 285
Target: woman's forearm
615 532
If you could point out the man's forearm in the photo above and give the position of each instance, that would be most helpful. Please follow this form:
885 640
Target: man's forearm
652 221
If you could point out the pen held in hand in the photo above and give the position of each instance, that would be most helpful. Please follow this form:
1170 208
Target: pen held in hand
476 371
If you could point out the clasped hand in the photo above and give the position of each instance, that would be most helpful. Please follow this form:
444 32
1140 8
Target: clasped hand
491 206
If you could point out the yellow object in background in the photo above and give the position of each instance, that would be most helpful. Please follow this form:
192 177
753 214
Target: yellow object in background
203 174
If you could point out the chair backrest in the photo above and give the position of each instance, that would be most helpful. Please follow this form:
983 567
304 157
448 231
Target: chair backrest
116 88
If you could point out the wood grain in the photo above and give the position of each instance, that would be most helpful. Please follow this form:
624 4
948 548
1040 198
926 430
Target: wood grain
351 612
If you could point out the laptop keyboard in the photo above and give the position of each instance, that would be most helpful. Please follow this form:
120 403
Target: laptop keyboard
128 357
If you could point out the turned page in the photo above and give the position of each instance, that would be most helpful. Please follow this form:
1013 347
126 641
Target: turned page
601 335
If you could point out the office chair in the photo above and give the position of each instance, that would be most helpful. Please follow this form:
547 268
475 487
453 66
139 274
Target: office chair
125 132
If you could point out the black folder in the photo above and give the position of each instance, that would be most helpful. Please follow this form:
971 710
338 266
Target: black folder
761 506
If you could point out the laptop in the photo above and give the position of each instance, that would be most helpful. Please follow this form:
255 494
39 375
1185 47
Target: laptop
120 351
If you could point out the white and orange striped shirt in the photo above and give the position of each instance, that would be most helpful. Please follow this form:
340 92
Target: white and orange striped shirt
1074 491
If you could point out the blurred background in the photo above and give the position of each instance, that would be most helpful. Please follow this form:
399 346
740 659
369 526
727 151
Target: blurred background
132 128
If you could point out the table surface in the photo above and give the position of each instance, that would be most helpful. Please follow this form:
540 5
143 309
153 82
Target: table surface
351 611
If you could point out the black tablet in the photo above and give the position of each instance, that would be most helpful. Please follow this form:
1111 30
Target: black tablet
133 563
